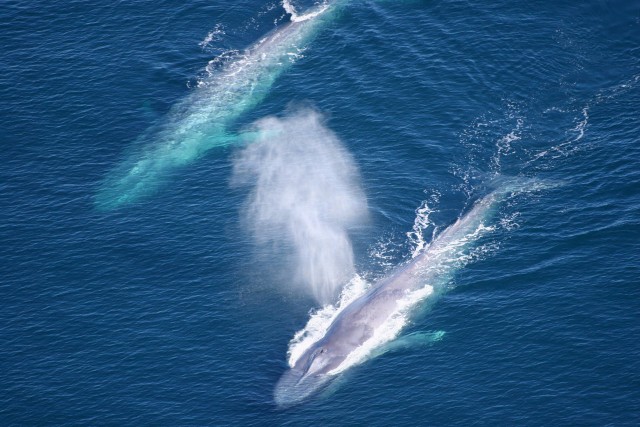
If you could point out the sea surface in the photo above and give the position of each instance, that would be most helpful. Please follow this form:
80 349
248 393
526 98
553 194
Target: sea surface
175 208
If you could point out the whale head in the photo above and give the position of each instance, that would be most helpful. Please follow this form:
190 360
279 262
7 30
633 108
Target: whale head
311 372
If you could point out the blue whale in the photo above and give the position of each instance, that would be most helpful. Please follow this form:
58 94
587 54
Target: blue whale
357 323
201 121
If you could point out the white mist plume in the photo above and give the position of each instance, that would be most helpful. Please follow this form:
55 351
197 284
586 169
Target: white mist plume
306 194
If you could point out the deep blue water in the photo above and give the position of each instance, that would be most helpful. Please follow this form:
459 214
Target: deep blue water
165 311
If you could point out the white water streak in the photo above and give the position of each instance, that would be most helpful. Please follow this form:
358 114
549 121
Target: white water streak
421 224
213 35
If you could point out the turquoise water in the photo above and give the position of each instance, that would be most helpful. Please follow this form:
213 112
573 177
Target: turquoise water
170 296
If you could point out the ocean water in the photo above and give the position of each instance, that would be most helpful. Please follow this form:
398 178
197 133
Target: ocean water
187 189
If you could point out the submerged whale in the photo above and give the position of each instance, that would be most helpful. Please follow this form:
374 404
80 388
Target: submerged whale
358 322
201 121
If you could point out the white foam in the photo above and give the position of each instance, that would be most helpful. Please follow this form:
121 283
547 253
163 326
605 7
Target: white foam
421 224
510 222
296 17
213 35
581 125
289 8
